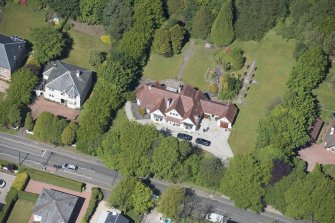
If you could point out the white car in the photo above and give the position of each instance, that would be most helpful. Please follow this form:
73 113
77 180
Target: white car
2 183
70 167
213 217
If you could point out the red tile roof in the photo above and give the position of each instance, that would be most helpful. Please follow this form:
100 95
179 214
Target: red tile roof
188 102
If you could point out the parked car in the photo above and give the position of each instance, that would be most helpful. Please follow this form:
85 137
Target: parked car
2 183
184 136
70 167
213 217
202 142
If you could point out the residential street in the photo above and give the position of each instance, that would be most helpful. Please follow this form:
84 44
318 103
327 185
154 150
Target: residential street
91 170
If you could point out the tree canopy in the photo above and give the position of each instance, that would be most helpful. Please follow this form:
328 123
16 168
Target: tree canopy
91 11
222 32
202 23
48 43
171 201
66 8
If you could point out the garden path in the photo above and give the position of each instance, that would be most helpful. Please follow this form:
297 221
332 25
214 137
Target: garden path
187 55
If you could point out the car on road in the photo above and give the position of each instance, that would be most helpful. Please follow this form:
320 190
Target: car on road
213 217
70 167
2 183
184 136
202 141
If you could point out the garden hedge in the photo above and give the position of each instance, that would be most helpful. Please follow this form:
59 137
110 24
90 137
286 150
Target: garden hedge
11 198
96 197
20 181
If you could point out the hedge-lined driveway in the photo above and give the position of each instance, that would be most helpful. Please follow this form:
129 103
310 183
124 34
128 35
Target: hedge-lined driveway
9 181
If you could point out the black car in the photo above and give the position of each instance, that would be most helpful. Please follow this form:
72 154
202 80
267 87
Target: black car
202 141
184 136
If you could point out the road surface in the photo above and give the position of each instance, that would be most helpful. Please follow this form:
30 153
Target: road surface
91 170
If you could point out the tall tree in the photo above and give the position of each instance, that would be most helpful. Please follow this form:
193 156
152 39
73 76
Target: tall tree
162 44
91 11
142 198
48 43
29 122
65 8
118 17
202 23
243 182
122 194
223 30
210 172
171 201
254 18
68 136
177 36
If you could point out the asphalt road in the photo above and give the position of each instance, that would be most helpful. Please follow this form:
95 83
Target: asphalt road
91 170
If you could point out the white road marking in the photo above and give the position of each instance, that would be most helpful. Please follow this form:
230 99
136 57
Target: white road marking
44 152
13 148
86 169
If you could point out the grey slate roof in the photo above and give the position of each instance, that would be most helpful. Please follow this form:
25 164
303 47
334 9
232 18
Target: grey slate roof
63 77
55 206
10 49
330 139
118 218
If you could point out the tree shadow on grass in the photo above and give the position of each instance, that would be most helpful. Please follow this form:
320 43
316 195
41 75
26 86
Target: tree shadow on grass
68 46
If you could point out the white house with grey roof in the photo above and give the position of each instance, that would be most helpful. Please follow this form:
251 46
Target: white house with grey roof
65 83
55 207
12 55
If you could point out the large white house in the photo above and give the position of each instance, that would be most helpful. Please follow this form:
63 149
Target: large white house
184 107
65 83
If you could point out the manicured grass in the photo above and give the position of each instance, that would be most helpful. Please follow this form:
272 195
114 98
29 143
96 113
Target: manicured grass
133 217
325 95
274 61
7 130
160 68
2 95
82 43
196 69
329 169
55 180
18 20
21 211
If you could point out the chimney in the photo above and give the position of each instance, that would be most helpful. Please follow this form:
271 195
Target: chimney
14 57
331 131
78 73
150 86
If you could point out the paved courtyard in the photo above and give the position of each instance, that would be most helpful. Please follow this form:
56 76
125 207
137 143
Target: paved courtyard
218 136
42 105
9 181
36 187
316 154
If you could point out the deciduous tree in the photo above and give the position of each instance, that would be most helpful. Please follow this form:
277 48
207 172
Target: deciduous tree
29 122
171 201
69 134
202 23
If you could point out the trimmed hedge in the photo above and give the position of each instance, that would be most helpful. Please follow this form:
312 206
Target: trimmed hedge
11 198
27 196
55 180
96 197
20 181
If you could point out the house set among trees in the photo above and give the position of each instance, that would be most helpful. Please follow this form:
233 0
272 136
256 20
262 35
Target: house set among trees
65 83
12 55
184 107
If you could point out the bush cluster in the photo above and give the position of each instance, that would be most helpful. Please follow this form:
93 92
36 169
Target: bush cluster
20 181
96 197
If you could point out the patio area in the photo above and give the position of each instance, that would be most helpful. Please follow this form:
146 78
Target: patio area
218 136
42 105
316 154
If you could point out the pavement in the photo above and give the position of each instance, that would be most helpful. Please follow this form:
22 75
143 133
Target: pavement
218 136
91 170
9 179
316 153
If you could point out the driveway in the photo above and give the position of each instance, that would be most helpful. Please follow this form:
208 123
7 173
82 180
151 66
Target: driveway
36 187
316 154
42 105
9 181
218 136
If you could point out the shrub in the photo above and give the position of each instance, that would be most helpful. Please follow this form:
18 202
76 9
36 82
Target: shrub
20 181
95 57
11 198
213 88
141 111
96 197
106 39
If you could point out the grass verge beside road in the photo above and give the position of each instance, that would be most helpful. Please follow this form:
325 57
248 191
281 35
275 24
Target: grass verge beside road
55 180
274 61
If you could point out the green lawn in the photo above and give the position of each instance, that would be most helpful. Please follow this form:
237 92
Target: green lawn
196 69
2 95
81 46
21 211
18 20
274 61
133 217
325 95
160 68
